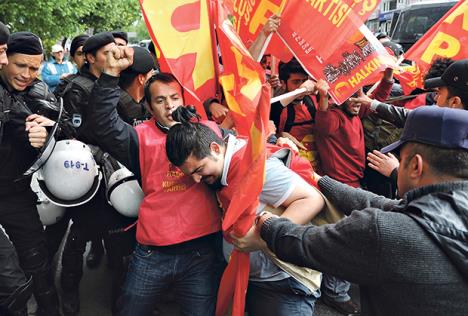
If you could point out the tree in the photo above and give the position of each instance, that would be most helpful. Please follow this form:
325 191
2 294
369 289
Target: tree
52 20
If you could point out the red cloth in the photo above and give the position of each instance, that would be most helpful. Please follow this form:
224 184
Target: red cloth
412 104
382 91
303 133
175 208
340 143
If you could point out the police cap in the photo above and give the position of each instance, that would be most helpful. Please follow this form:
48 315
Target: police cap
97 41
142 61
77 42
120 34
24 43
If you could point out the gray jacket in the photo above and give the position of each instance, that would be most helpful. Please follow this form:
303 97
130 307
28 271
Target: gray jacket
410 257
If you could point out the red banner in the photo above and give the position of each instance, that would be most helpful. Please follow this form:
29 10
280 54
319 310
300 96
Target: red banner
447 38
248 98
324 25
181 29
359 59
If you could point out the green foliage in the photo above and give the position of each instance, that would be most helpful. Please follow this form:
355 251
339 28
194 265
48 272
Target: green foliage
54 19
139 27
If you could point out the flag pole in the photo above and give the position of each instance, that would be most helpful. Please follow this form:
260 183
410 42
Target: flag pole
288 95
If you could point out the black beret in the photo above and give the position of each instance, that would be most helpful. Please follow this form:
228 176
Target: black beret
24 43
4 34
120 34
97 41
142 61
77 42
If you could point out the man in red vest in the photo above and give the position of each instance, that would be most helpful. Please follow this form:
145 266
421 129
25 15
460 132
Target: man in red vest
203 155
179 220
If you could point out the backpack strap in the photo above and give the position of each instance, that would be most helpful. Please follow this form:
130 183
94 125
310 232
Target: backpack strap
291 117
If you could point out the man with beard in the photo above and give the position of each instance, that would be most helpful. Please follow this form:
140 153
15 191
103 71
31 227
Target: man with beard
340 138
294 117
201 154
409 256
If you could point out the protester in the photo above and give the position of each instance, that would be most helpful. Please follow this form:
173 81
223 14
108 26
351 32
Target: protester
294 117
340 138
56 69
177 245
22 132
200 153
408 256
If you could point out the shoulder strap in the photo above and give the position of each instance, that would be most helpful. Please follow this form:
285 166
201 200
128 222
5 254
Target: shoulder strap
290 120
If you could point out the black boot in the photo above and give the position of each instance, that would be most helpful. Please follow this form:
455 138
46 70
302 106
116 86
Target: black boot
35 263
48 303
94 257
72 271
71 302
16 304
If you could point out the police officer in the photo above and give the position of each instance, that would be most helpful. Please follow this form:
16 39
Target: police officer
93 220
131 106
77 56
18 150
15 288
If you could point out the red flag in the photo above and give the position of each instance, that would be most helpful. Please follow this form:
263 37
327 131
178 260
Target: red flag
447 38
248 98
181 29
249 17
410 78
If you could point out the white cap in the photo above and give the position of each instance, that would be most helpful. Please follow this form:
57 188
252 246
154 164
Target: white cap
57 48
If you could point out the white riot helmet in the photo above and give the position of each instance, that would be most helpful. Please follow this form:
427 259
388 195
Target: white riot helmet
70 177
49 213
122 189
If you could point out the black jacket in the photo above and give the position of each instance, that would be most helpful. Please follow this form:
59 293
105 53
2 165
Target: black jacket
410 257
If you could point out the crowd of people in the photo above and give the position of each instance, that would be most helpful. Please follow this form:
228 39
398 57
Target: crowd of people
390 180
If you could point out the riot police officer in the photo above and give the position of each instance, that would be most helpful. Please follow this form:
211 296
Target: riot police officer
18 150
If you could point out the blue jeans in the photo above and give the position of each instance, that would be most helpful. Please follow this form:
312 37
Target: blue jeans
194 276
280 298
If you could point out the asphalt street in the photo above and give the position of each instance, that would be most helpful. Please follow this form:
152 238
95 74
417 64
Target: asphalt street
95 294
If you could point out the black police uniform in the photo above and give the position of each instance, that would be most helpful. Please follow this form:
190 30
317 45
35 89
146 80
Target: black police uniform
18 212
93 220
15 288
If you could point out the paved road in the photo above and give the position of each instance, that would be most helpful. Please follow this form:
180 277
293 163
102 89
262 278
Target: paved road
95 296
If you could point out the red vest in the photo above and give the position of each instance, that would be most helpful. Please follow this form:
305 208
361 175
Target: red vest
175 208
